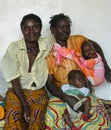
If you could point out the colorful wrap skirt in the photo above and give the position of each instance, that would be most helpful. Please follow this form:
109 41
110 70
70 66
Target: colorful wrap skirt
37 101
100 120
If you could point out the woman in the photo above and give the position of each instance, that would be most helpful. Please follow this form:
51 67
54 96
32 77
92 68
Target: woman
60 28
25 71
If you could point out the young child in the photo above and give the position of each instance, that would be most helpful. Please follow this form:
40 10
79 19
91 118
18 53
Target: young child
80 88
91 64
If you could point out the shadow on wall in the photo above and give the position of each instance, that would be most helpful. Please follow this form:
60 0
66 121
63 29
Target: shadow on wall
3 85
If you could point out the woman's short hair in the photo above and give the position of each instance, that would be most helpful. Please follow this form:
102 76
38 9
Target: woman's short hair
56 18
31 16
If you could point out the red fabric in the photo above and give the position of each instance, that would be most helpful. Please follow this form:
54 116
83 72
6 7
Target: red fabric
86 116
75 128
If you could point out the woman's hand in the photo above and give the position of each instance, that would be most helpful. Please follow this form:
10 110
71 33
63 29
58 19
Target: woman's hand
26 113
71 100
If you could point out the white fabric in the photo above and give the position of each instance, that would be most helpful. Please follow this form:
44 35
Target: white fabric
66 87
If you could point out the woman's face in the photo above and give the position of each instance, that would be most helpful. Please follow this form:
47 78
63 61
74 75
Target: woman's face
31 30
62 30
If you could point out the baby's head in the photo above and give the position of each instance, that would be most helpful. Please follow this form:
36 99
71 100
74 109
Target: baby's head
88 50
77 78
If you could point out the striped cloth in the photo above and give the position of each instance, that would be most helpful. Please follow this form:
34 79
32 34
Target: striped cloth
100 120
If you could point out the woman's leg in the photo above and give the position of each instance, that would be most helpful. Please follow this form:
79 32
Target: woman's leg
37 100
55 109
13 117
54 112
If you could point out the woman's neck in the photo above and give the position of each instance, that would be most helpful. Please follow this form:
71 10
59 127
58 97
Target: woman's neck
62 43
31 45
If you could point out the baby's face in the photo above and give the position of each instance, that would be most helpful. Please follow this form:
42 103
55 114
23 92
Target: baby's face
88 51
78 81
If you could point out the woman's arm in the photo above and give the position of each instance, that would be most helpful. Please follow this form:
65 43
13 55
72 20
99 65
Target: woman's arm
107 68
55 91
19 93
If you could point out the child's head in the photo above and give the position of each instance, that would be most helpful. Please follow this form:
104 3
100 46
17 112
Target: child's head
88 50
77 78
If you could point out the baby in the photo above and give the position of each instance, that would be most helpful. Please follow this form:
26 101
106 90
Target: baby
80 88
91 64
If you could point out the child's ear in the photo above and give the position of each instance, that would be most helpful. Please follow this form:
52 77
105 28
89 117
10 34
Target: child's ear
71 81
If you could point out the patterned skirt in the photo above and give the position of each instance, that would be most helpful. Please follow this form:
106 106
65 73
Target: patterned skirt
100 120
37 101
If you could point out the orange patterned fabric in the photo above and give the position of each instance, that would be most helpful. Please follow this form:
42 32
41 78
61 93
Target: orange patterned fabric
60 72
2 111
37 101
